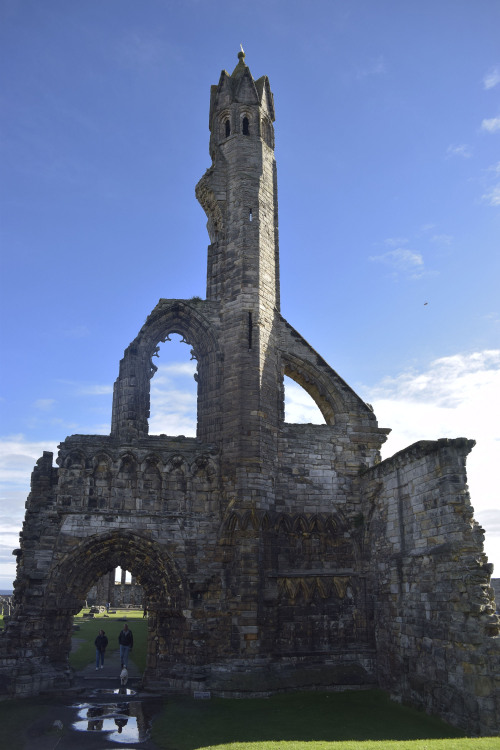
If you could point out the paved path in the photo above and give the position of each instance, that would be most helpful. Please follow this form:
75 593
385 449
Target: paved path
111 669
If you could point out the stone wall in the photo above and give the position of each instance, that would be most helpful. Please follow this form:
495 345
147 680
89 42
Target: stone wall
436 631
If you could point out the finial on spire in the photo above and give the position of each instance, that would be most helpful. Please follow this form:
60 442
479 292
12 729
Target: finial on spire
241 53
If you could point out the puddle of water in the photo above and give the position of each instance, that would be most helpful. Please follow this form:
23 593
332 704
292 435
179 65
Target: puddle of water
121 722
120 729
116 691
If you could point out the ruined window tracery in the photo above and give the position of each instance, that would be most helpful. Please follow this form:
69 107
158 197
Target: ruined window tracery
174 393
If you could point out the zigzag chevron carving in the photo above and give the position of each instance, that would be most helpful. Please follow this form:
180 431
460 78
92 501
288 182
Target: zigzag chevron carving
307 587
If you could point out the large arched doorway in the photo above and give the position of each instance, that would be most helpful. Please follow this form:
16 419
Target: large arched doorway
78 571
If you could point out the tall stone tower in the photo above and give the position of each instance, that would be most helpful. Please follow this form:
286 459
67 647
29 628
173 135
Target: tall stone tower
272 556
239 195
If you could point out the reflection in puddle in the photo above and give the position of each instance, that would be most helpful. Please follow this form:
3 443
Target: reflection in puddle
117 691
122 722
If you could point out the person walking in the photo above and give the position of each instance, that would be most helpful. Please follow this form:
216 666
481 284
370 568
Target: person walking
100 647
126 641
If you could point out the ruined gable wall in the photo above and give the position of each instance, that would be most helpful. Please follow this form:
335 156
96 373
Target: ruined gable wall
437 637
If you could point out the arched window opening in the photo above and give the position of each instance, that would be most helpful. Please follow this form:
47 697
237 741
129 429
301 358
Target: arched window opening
122 576
245 126
116 589
300 407
227 126
174 392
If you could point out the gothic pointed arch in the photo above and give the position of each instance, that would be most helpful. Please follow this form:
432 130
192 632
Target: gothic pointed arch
150 565
195 321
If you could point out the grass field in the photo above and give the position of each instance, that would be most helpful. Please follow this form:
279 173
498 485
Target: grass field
306 721
366 720
112 624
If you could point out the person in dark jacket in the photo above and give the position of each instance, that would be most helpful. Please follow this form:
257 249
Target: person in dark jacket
100 647
126 641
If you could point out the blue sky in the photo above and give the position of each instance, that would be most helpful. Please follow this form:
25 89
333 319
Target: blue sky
388 151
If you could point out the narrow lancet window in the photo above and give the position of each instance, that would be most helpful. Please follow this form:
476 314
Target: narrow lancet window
250 331
228 128
246 129
250 215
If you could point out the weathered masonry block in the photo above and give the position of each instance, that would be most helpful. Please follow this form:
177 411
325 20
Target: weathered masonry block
272 556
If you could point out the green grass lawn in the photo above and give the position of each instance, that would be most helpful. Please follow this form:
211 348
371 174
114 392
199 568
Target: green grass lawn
366 720
112 624
15 717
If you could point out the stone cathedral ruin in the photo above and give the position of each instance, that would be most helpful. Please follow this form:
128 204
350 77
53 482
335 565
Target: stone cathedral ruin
273 556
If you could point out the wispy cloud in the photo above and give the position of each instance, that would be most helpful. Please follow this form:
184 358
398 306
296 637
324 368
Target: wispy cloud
461 149
441 239
95 390
402 262
44 404
492 78
448 381
78 332
491 125
492 196
374 67
396 241
141 50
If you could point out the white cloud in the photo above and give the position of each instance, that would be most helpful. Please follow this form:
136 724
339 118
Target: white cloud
492 125
492 78
454 396
402 262
442 239
18 457
459 150
492 197
299 406
44 404
173 399
95 390
187 369
396 241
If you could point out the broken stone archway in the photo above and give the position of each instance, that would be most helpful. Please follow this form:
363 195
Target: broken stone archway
77 571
